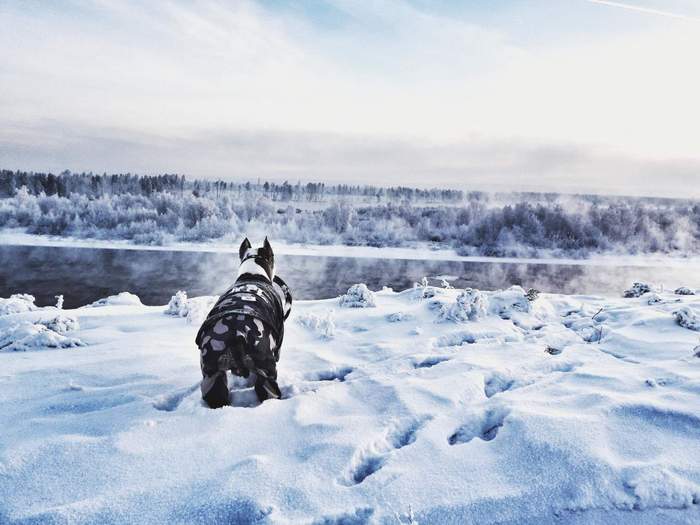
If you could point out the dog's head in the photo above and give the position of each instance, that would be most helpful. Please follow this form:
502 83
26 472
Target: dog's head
257 261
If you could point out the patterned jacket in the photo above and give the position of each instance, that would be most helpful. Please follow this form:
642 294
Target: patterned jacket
254 296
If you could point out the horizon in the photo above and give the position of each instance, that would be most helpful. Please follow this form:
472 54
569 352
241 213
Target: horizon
583 96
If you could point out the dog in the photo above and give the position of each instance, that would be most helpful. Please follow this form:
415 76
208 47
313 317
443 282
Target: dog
244 330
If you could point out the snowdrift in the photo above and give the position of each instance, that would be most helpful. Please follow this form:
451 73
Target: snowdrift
431 405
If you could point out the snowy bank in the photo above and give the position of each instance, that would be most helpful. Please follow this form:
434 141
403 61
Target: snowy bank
434 406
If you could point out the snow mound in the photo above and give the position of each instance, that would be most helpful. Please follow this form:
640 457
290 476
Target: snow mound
31 336
17 303
637 290
686 318
469 306
321 325
121 299
505 302
195 310
358 296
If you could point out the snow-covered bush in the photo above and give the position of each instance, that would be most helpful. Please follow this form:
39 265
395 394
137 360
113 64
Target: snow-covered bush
397 317
637 290
684 290
469 306
195 309
505 302
323 326
61 324
686 318
178 304
29 336
17 303
654 299
358 296
121 299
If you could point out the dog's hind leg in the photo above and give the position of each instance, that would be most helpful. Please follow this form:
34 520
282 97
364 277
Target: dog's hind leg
214 381
215 389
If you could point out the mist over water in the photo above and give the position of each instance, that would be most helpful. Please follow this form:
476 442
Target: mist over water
84 275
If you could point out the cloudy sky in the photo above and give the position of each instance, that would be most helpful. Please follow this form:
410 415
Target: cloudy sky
555 95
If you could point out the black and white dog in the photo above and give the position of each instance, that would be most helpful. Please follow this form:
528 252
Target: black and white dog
244 330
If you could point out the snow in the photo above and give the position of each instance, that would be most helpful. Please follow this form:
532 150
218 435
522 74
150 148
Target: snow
392 417
123 299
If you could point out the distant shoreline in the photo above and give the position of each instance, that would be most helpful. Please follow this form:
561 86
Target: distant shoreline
19 238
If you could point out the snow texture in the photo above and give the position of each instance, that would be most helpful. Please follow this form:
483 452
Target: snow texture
576 409
322 325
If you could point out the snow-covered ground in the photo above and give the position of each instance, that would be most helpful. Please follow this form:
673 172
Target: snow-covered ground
419 251
432 406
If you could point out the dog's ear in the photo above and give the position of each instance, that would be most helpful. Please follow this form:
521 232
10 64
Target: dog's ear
268 247
245 246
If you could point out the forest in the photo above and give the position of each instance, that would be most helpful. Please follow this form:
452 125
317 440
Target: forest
162 209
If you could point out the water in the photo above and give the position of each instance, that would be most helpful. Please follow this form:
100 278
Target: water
84 275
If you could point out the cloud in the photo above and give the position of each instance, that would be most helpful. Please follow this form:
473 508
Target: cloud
216 88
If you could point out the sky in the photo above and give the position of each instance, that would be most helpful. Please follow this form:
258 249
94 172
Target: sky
547 95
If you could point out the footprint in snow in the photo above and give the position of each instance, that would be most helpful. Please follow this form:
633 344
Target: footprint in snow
429 362
485 427
370 458
334 374
170 402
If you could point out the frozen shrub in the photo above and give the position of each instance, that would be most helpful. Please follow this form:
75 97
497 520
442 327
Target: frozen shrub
637 290
62 324
17 303
532 294
324 327
29 336
686 318
358 296
469 306
121 299
654 299
397 317
684 290
505 302
59 302
178 304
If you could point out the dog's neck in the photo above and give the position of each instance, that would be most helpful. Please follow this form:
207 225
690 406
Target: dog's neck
251 267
